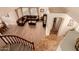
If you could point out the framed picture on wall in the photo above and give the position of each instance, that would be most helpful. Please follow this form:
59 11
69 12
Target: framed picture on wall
41 10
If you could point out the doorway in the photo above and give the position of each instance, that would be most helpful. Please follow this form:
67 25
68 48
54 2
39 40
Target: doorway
56 25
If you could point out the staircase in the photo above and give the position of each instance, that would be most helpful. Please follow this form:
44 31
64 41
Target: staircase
15 43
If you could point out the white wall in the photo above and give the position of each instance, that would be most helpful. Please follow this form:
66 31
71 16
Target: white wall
63 28
11 20
73 12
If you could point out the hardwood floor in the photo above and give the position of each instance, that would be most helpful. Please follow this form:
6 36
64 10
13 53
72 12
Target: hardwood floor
35 34
28 32
49 43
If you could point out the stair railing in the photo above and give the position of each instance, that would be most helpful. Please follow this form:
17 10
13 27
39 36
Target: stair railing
12 39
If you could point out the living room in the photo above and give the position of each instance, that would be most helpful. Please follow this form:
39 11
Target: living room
46 27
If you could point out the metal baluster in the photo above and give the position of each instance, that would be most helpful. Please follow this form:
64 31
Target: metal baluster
11 39
14 39
3 38
7 38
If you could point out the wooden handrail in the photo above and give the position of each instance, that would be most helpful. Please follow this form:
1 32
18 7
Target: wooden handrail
12 39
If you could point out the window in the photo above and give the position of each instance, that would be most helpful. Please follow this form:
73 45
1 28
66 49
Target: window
25 11
34 11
